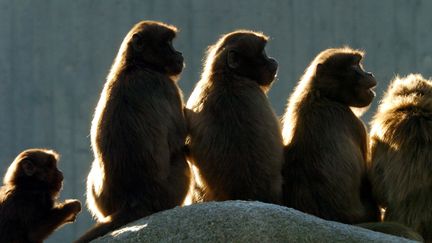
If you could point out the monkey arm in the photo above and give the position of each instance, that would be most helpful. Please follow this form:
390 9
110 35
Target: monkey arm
55 218
191 117
379 158
161 155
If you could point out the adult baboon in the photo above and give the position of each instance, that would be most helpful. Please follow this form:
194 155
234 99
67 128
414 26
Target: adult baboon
235 138
401 152
138 132
326 143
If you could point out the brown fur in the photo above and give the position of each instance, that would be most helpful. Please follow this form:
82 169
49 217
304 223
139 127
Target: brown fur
401 152
326 143
235 141
28 208
138 133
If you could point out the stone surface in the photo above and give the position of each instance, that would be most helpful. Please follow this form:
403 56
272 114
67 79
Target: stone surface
240 221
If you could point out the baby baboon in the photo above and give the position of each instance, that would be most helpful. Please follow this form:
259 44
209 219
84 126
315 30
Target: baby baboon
326 143
235 138
138 133
401 152
28 208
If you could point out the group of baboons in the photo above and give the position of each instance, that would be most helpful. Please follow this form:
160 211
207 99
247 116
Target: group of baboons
153 153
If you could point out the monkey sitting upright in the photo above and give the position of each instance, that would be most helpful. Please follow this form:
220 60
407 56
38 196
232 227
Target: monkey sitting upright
138 133
326 143
28 211
235 138
401 153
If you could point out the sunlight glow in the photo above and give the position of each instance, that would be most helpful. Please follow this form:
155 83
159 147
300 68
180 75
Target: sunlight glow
382 213
197 182
134 228
378 131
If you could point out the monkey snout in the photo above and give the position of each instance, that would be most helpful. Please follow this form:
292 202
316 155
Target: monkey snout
60 176
373 82
179 57
273 62
273 65
180 60
369 82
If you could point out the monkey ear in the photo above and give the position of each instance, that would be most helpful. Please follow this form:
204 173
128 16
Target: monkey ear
232 60
137 42
28 167
319 68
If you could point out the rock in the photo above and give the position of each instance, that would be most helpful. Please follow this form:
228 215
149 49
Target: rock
240 221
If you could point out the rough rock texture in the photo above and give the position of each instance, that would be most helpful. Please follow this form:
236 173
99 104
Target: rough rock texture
240 221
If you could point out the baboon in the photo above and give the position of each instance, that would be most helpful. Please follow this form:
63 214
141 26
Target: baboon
138 133
326 143
235 138
28 208
401 153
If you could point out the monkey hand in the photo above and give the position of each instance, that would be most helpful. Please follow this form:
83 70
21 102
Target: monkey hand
72 206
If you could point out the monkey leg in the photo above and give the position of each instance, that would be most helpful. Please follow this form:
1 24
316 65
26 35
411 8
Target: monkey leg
117 220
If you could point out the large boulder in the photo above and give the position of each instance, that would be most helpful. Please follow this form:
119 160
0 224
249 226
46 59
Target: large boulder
240 221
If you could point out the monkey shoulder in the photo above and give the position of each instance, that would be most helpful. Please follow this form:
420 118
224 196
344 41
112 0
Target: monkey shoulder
327 126
394 135
329 116
244 115
238 100
142 93
144 103
136 82
28 205
406 127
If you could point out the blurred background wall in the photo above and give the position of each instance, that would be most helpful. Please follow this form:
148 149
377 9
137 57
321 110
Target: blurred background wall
55 55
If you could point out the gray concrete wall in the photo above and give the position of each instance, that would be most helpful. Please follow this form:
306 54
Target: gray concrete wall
54 56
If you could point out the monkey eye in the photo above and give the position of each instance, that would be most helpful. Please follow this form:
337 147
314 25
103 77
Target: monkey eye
263 57
51 163
170 45
357 68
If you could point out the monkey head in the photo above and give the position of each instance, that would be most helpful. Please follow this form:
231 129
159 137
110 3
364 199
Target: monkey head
339 76
35 169
411 85
407 93
150 44
243 53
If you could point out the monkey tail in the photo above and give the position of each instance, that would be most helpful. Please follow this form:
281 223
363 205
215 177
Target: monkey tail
118 219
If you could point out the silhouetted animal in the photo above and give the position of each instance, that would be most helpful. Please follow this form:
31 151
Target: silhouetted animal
138 133
28 208
235 140
401 152
326 143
